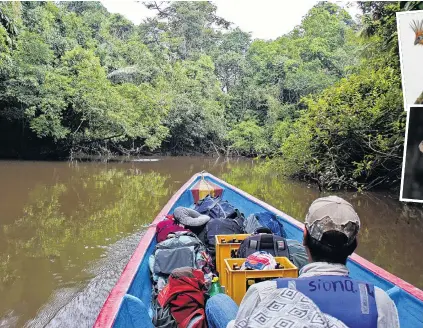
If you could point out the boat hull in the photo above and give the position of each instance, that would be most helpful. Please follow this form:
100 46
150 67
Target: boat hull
129 301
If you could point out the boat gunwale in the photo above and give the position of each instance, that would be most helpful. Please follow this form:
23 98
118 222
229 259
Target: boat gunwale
111 306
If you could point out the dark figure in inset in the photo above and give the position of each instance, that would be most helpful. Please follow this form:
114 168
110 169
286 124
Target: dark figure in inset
413 172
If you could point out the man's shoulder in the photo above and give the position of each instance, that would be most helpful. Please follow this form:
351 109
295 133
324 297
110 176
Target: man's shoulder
387 310
268 285
382 297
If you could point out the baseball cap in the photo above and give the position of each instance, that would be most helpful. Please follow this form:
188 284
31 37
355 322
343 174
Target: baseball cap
332 213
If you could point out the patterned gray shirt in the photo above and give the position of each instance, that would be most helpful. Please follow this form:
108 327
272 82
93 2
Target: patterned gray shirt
259 292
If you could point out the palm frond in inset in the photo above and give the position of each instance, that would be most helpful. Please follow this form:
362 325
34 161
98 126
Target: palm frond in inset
417 26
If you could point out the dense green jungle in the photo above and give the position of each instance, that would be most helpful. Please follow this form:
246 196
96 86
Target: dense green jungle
322 102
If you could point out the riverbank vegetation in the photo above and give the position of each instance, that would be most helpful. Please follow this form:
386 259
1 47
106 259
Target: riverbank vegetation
323 101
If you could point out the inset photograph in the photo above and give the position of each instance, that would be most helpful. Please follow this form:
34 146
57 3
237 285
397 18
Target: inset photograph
412 169
410 39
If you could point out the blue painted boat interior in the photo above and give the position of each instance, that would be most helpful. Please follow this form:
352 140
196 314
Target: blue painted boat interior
136 303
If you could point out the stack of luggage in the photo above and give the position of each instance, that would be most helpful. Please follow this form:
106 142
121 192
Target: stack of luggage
183 264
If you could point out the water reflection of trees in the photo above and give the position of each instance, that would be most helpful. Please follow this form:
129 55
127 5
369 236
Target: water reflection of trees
108 203
66 225
264 183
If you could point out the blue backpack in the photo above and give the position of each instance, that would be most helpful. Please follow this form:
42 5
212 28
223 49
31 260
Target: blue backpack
270 220
216 208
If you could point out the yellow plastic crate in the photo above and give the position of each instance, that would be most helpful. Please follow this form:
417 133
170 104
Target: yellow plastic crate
224 250
238 281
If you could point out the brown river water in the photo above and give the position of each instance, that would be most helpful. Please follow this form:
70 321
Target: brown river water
67 230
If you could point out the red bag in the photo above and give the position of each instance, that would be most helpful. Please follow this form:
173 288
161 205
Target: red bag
166 227
185 296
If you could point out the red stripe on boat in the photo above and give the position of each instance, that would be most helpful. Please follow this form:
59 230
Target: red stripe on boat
111 307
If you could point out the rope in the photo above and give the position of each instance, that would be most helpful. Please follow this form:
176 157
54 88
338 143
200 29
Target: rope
203 179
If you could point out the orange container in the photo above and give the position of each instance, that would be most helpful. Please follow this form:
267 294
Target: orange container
238 281
226 248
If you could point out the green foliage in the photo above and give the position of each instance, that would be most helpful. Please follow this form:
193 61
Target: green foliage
9 13
351 134
191 26
196 114
321 100
248 137
266 81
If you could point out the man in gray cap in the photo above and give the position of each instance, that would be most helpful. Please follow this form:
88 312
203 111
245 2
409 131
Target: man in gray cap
331 228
